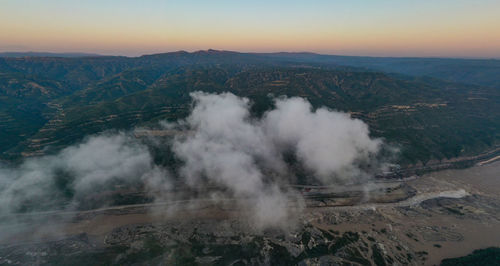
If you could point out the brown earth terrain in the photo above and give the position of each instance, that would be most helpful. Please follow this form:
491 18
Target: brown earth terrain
415 221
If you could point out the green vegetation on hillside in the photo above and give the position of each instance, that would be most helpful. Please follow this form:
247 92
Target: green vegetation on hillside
54 102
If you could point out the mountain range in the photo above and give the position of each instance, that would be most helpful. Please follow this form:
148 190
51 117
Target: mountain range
432 109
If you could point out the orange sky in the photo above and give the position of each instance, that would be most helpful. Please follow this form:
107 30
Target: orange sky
356 27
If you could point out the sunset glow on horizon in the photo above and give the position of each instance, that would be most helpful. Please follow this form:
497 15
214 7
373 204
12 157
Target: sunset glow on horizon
441 28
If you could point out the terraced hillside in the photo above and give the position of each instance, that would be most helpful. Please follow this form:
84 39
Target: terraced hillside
48 103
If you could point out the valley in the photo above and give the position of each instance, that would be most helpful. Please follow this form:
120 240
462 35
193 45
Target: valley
416 221
115 160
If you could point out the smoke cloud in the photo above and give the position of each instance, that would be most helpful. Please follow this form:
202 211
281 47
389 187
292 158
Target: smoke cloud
223 147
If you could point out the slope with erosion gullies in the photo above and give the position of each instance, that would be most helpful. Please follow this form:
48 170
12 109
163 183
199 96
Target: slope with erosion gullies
30 87
76 73
23 105
163 99
113 87
79 72
427 118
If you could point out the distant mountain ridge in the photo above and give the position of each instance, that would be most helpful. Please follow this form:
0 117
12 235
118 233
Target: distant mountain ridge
485 72
46 54
221 52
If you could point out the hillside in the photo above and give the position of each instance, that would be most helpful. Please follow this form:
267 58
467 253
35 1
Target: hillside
49 103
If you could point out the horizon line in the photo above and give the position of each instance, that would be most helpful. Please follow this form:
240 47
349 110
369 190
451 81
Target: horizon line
94 54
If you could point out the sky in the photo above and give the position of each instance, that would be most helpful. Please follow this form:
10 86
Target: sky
424 28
